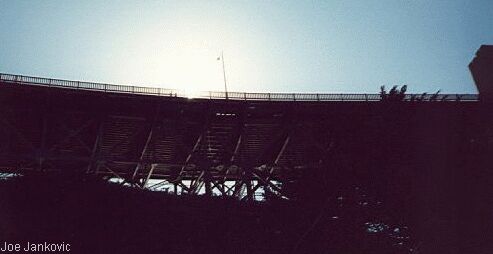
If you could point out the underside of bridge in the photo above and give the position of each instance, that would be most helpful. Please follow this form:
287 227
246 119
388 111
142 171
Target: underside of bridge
208 146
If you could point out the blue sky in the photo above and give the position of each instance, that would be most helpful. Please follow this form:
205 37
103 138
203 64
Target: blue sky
269 46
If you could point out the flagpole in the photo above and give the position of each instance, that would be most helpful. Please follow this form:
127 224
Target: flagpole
224 75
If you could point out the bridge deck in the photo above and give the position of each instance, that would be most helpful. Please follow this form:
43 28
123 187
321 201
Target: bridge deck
92 86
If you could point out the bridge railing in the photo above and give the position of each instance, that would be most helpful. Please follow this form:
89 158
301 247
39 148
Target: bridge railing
37 81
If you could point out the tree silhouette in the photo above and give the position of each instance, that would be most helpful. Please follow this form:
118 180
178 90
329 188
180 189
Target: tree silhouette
394 94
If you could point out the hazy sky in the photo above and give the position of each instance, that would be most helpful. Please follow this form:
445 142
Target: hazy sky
276 46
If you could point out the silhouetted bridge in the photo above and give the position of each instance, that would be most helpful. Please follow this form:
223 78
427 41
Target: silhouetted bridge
207 144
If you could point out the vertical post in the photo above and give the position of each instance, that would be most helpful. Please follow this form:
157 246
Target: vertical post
97 142
208 188
224 75
42 151
250 194
222 189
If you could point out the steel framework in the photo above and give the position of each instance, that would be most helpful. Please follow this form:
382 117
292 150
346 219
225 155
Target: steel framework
153 138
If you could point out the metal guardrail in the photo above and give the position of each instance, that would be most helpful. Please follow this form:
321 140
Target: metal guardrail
37 81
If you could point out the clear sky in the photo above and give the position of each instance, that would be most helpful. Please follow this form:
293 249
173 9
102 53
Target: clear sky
273 46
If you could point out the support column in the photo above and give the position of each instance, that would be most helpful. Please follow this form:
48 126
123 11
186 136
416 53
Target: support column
41 151
97 142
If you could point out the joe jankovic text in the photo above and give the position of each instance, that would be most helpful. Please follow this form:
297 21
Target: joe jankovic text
35 247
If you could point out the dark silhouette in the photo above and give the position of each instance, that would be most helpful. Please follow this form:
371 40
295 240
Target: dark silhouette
382 173
394 94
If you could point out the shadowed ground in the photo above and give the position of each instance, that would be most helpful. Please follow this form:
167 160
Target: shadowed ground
99 217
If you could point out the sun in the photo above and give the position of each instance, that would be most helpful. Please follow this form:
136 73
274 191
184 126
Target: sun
182 58
193 69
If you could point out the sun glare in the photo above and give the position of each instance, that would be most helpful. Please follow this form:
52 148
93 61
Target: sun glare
184 57
191 69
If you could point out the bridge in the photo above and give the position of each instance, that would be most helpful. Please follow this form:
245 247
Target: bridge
425 162
238 145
